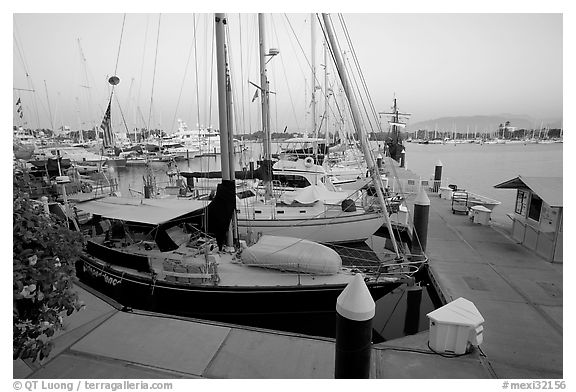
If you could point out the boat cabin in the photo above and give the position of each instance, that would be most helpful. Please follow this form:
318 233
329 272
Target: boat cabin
538 214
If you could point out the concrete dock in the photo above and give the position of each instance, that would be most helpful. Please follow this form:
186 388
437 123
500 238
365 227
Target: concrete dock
518 293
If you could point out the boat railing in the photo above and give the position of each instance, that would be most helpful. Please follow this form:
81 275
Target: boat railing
397 271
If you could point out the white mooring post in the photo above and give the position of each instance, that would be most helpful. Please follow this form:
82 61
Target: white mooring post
355 310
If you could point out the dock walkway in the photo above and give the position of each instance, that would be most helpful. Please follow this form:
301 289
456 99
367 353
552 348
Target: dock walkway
518 294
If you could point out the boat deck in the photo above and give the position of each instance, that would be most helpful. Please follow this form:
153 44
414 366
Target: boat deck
518 294
186 265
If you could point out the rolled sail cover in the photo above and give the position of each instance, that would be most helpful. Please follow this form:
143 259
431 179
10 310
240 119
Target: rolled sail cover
292 254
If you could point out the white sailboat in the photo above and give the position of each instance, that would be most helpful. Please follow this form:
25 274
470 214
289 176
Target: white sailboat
313 212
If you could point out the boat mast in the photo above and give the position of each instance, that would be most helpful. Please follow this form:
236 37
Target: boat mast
49 111
326 96
313 78
374 173
80 133
265 96
220 21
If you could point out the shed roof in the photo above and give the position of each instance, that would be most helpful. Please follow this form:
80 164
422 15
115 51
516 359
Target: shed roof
548 188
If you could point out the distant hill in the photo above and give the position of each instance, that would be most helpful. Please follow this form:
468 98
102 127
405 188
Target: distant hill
484 123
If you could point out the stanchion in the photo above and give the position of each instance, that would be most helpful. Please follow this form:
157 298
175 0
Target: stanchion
437 176
355 310
421 213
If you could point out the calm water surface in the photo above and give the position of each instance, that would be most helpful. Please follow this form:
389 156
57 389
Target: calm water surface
478 168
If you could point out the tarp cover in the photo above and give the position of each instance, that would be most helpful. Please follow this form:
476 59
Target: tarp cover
148 211
311 194
292 254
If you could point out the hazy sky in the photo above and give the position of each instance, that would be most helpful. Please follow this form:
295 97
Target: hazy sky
436 64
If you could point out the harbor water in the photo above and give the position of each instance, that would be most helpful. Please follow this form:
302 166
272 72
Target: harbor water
478 167
473 167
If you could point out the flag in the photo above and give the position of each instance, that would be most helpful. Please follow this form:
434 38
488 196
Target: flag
18 102
107 128
20 115
19 109
255 96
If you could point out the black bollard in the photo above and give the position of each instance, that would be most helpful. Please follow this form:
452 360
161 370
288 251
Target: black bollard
437 176
355 310
421 212
413 301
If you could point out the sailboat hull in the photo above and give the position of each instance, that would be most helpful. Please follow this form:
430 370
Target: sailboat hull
140 291
339 229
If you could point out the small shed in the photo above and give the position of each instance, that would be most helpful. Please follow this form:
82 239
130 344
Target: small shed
538 214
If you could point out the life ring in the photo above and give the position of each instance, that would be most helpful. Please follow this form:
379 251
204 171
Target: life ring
308 162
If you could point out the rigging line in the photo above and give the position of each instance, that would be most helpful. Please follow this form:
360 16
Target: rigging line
353 91
355 57
235 101
196 74
212 55
48 101
254 40
119 44
183 80
357 92
29 81
122 114
292 45
392 312
286 79
228 61
206 98
243 95
85 74
142 65
20 53
154 74
331 51
302 49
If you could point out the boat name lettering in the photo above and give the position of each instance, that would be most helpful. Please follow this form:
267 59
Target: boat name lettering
98 273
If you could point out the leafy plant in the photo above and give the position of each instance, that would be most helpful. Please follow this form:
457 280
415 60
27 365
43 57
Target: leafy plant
44 252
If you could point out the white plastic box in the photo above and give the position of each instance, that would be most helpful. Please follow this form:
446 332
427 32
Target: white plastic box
445 193
455 327
481 215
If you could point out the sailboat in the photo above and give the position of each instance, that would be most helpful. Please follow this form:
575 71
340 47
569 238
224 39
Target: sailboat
311 210
175 256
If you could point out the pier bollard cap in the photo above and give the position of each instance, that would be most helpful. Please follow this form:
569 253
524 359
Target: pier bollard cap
355 302
439 163
422 199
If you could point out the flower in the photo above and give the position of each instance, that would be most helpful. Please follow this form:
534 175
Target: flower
28 290
32 259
